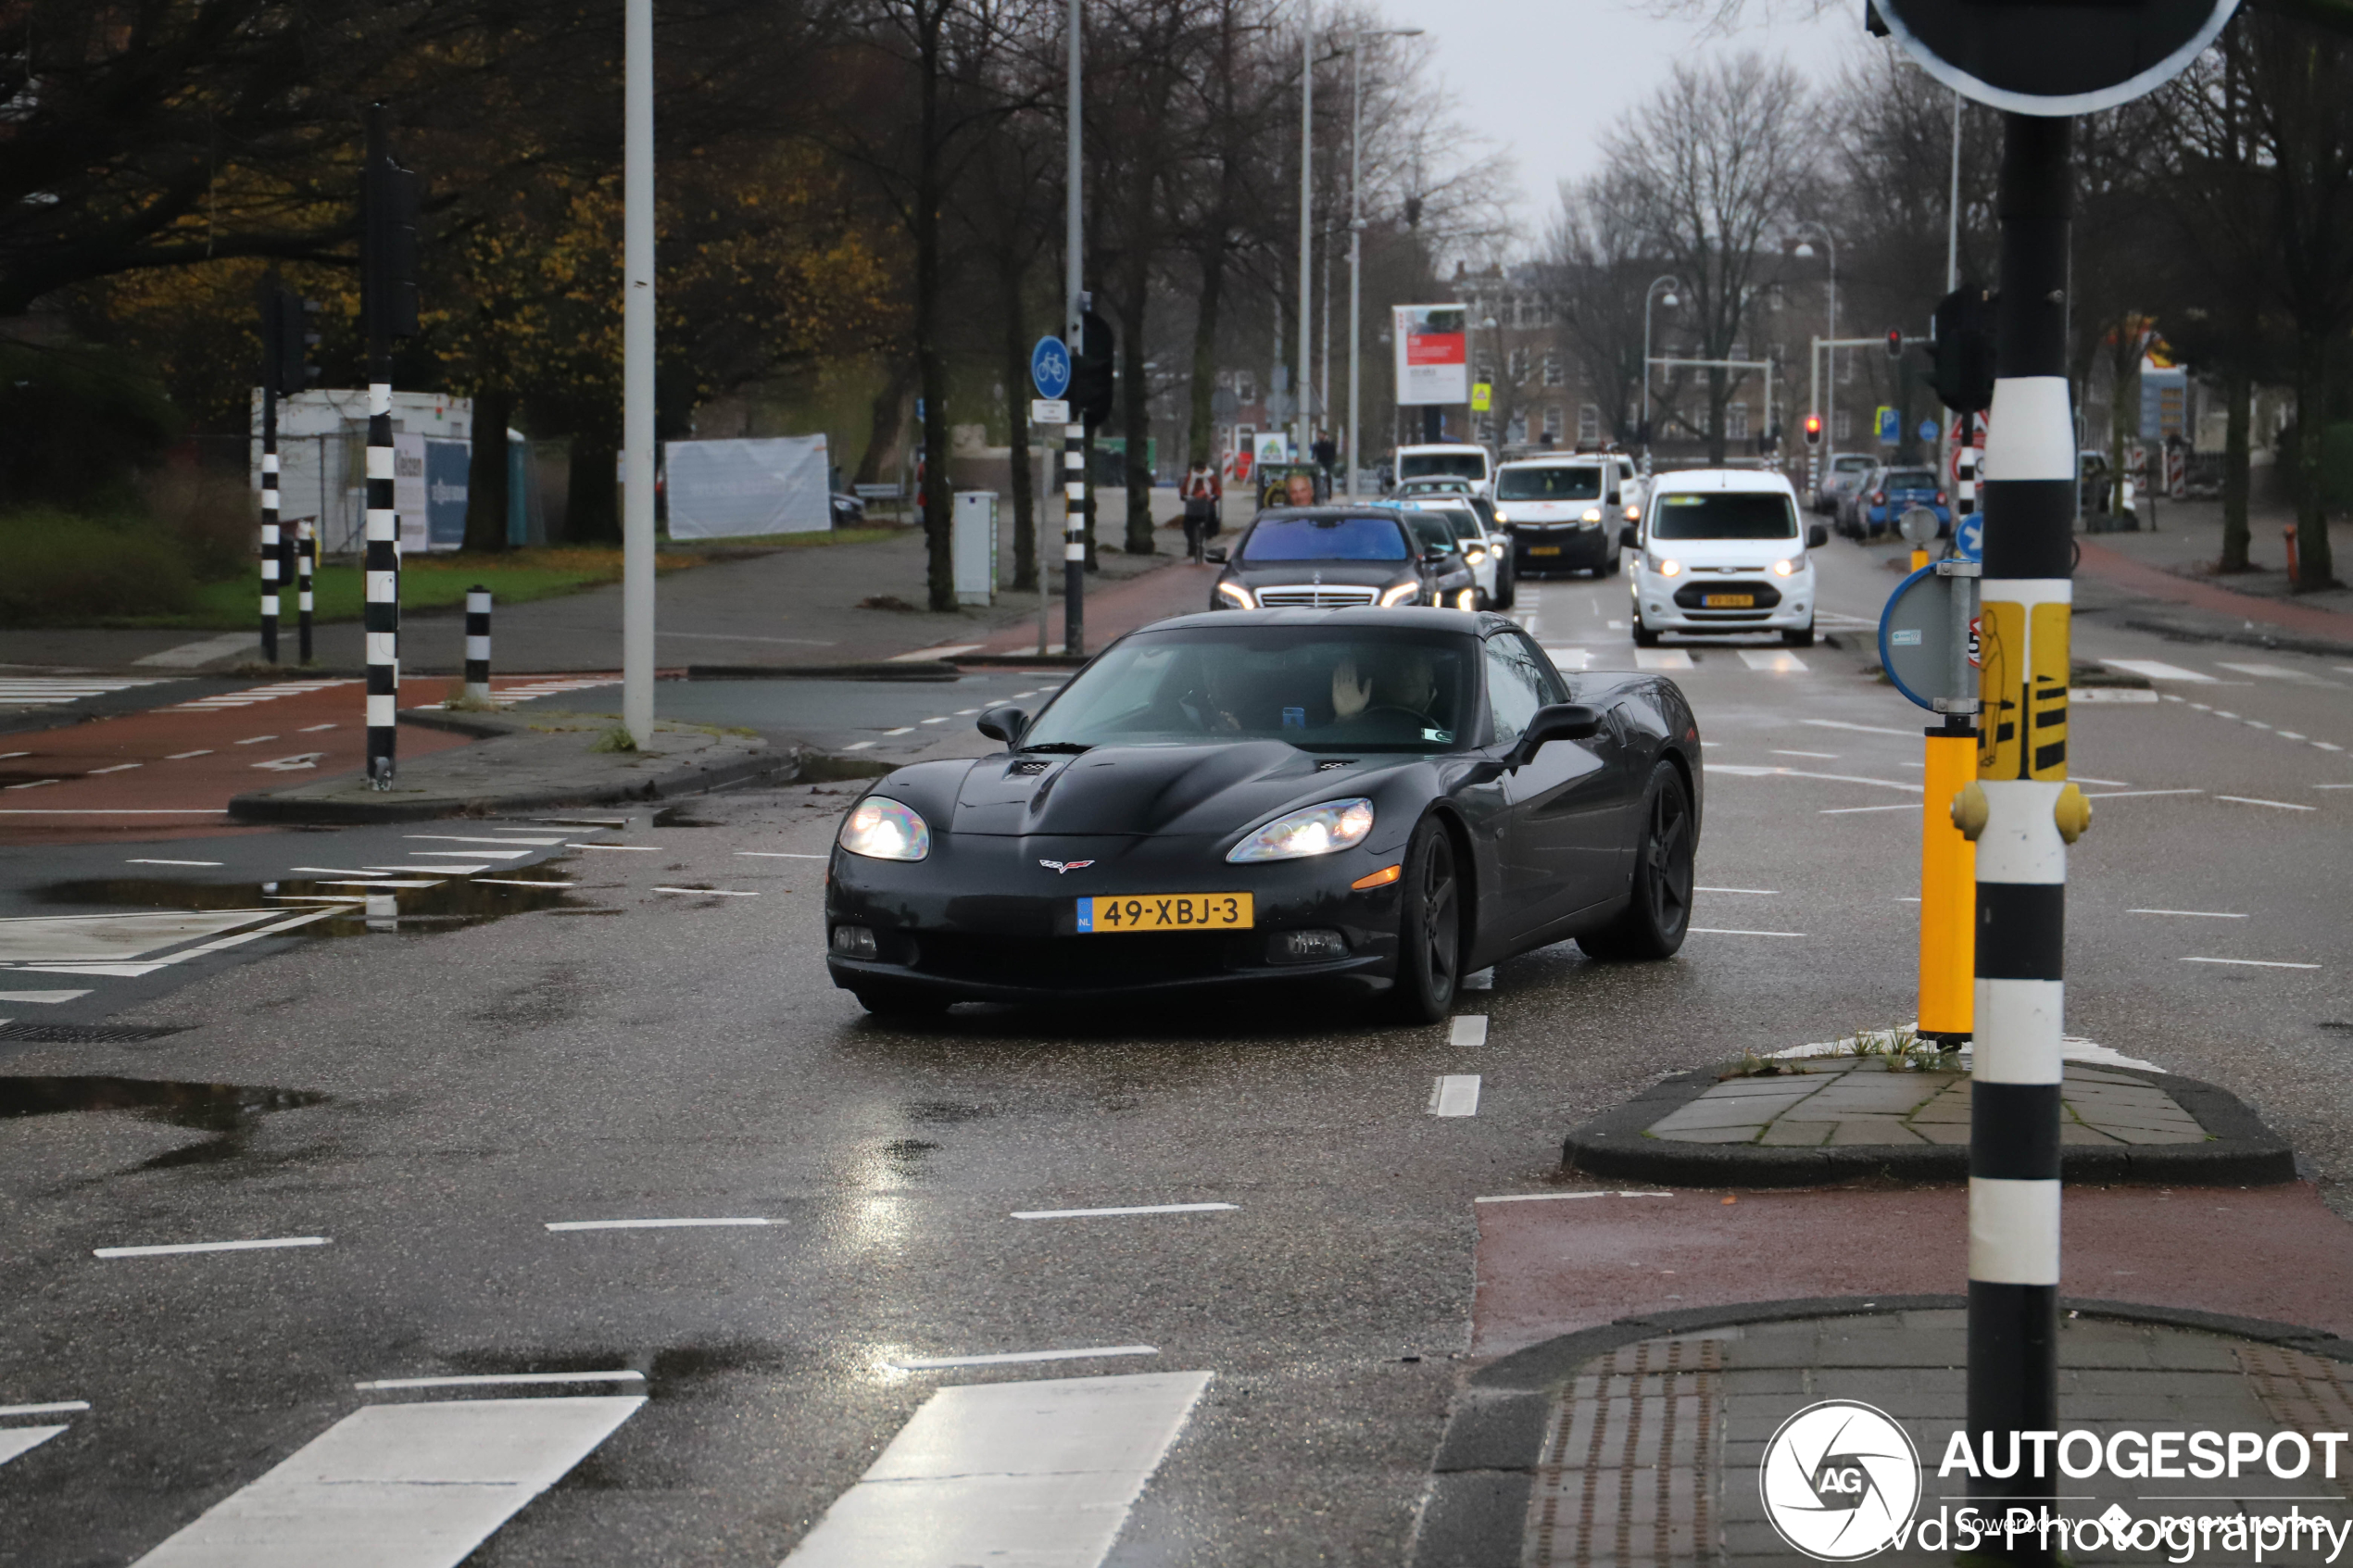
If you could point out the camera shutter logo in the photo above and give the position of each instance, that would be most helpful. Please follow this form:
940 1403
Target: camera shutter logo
1839 1481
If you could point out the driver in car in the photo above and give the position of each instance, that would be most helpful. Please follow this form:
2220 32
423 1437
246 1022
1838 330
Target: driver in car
1394 683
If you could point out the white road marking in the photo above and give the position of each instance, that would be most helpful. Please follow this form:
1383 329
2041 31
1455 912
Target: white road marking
1033 1474
318 897
313 729
709 892
112 811
432 870
2111 784
782 855
902 730
647 1224
171 1249
632 848
2111 694
335 871
1727 931
1817 756
1479 980
2254 963
966 712
17 1441
1863 729
858 745
2334 787
2274 671
55 1407
462 839
512 882
385 881
2156 669
476 854
490 1379
1851 810
1557 1197
401 1485
1454 1094
2276 805
144 862
1661 659
292 764
1467 1029
40 996
35 783
2198 914
118 768
1574 661
1759 892
922 1364
948 651
2135 793
255 740
184 756
2326 746
1132 1209
1751 770
1772 661
51 939
942 719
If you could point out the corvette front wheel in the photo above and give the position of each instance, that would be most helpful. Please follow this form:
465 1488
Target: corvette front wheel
1430 929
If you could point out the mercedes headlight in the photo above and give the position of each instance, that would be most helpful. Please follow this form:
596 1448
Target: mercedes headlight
885 830
1236 594
1403 594
1319 830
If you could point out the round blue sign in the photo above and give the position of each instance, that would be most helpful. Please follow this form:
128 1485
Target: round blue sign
1049 366
1928 429
1968 537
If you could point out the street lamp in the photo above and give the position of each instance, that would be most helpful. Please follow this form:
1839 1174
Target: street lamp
1356 227
1805 249
1648 294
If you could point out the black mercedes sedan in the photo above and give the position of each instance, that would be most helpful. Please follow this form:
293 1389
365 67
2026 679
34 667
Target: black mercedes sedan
1376 802
1343 558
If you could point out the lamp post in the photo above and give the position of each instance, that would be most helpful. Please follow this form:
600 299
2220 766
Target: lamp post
1357 229
1805 249
1648 294
1306 226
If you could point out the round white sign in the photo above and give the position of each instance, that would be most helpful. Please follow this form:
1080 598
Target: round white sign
1839 1480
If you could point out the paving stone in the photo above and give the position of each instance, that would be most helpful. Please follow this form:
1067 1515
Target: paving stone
1943 1108
1705 1112
1872 1130
2152 1121
1791 1134
1947 1132
2150 1136
2076 1133
1732 1087
1746 1134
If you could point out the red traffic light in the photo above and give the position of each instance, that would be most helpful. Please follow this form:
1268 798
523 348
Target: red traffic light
1896 342
1813 430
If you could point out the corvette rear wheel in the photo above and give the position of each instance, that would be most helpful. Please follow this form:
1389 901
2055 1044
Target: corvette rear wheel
886 1001
1659 916
1429 931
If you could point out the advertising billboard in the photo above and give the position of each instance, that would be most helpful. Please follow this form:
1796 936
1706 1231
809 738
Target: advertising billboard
1433 354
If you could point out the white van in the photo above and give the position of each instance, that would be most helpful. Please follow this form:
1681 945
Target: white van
1448 460
1722 551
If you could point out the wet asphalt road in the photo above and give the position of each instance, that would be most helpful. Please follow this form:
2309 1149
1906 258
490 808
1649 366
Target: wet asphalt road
622 1052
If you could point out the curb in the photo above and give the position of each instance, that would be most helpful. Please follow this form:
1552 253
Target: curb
681 780
2282 642
921 669
1024 661
1474 1513
2242 1151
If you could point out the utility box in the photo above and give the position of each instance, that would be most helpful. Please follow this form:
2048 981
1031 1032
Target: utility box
975 547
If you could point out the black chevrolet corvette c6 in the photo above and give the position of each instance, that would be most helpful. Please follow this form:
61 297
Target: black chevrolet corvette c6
1383 800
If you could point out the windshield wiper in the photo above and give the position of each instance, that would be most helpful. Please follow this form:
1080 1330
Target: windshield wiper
1074 748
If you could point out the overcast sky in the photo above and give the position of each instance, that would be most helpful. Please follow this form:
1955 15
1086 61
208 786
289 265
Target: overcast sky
1547 78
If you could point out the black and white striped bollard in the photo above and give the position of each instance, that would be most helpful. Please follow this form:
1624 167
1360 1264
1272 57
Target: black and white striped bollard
306 569
478 643
1074 539
2022 813
383 622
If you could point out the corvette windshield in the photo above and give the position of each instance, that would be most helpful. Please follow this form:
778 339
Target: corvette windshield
1322 538
1321 690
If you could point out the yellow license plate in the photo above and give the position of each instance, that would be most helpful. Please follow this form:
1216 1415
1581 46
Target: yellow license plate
1166 912
1728 601
1543 549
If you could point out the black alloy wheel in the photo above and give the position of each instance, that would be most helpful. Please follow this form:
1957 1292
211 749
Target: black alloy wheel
886 999
1429 928
1658 913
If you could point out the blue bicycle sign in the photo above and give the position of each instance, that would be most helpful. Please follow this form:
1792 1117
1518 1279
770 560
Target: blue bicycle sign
1049 366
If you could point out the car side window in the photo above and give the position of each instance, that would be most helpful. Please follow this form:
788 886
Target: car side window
1548 680
1516 687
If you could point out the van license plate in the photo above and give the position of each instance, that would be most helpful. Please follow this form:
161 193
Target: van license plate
1728 601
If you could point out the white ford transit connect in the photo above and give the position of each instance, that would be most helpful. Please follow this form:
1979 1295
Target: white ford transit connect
1721 550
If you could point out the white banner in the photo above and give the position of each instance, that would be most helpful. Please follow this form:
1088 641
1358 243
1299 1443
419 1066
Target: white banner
720 489
411 496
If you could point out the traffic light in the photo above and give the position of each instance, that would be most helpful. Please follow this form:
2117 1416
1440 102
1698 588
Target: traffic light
1896 342
388 259
1963 375
285 339
1090 379
1813 430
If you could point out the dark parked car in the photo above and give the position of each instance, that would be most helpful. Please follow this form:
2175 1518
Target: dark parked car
1375 802
1340 558
1889 492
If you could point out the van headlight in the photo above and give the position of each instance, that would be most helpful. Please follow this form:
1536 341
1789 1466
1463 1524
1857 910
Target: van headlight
1403 594
1319 830
1789 568
1593 514
1666 566
1502 515
1236 594
882 829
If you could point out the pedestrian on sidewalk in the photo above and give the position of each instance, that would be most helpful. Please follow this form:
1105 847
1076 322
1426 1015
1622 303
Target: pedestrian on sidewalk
1203 495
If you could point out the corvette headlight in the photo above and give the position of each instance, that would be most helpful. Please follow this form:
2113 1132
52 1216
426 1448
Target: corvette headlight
1236 594
1666 566
1789 568
885 830
1403 594
1319 830
1593 514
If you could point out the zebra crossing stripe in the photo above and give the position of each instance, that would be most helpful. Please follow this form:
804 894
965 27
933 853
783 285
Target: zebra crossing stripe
406 1486
19 1440
1037 1472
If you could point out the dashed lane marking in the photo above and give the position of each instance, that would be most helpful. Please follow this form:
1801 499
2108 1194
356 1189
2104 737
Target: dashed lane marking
514 882
184 756
1662 659
55 1407
402 1485
2156 669
118 768
1729 931
1559 1197
2134 794
476 854
40 997
149 863
173 1248
2275 805
1857 811
493 1379
1757 892
1752 771
465 838
2192 914
432 870
858 745
2254 963
1116 1212
1467 1029
1817 756
1863 729
1041 1473
1454 1094
629 848
1772 661
1093 1353
650 1224
782 855
710 892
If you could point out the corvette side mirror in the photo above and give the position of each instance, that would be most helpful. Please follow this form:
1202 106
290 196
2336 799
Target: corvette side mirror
1214 554
1817 536
1004 723
1559 721
1630 537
